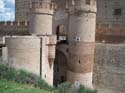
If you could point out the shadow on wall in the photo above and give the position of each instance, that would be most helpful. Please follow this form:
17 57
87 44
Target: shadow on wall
60 68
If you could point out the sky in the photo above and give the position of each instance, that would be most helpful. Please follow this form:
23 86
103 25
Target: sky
7 10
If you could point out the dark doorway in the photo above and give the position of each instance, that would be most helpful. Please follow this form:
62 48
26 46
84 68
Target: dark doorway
57 32
60 68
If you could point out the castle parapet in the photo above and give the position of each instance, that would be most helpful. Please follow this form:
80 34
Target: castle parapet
44 5
83 5
41 15
14 28
14 23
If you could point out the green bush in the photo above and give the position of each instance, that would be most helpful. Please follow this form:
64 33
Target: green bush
68 88
64 88
83 89
22 76
6 72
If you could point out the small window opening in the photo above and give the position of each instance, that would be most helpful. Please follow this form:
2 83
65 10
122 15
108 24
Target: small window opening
88 2
62 78
57 32
79 61
67 50
57 69
118 12
77 38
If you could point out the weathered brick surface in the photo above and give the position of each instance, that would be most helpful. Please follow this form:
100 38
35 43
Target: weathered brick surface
24 53
109 68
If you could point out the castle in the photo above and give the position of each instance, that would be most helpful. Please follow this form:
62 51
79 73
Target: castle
68 40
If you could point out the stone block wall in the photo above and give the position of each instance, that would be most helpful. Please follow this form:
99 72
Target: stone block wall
109 68
24 53
110 21
33 54
110 33
47 58
110 12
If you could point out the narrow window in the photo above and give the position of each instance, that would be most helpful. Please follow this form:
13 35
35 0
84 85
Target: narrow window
57 32
67 50
57 69
79 62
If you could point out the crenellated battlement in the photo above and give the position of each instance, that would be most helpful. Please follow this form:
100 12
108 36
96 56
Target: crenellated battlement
81 2
88 6
14 28
44 5
14 23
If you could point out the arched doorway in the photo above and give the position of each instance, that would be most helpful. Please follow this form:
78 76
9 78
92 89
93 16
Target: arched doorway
60 68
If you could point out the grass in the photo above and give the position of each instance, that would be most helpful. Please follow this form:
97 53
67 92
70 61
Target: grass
68 88
20 81
83 89
13 87
21 76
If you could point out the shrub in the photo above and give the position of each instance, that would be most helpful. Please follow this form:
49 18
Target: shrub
68 88
64 88
22 76
83 89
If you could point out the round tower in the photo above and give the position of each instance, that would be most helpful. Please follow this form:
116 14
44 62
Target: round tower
82 23
41 25
41 17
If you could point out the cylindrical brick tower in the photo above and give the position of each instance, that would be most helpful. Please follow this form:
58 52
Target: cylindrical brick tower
41 25
41 17
82 23
22 8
